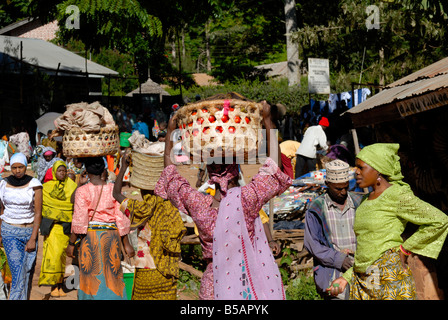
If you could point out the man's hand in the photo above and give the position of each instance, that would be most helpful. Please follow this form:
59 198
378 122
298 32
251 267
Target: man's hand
337 286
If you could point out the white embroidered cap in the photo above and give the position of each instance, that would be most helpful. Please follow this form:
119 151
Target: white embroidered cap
337 171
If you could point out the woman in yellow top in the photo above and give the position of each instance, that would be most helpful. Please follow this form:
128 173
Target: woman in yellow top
380 270
159 231
57 212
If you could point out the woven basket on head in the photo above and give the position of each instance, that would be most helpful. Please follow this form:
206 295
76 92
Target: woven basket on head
146 170
207 132
77 143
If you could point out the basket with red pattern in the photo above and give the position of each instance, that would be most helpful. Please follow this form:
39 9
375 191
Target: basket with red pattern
214 128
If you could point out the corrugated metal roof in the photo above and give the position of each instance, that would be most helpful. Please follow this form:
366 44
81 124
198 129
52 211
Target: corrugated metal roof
437 68
402 92
15 25
47 56
426 80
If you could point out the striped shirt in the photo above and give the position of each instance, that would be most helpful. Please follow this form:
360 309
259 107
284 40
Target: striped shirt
340 223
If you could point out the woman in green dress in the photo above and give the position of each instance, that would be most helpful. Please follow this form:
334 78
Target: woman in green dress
380 270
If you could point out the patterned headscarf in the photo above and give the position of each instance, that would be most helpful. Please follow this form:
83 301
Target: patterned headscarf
222 174
58 191
43 165
384 158
56 204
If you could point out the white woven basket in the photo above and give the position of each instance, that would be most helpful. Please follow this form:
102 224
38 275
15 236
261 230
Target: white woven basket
146 170
77 143
220 128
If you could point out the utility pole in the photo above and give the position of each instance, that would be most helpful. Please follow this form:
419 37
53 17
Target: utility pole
292 49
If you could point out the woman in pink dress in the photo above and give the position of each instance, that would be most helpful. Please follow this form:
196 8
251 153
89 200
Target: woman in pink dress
97 219
240 264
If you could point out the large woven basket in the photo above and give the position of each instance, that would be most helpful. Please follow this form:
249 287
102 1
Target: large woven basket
146 170
77 143
207 133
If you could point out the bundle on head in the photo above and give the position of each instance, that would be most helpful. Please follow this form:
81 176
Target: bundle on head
88 130
221 126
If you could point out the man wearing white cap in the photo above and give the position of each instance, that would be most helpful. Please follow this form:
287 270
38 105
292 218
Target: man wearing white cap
329 235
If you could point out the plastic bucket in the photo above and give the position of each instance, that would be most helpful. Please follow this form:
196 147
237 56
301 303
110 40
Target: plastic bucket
128 279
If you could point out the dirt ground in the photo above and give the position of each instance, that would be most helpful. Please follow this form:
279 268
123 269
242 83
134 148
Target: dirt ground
43 292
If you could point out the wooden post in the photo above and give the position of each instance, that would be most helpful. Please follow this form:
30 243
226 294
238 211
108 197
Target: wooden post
356 143
355 140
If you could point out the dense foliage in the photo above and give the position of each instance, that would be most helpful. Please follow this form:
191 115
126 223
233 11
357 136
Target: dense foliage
173 38
412 34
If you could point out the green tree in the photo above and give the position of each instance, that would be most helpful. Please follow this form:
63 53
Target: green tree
249 34
122 25
12 11
409 38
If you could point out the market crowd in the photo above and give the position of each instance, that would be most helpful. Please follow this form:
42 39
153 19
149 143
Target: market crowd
79 207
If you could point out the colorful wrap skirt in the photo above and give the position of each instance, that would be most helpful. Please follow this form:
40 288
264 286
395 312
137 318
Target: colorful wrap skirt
385 279
21 262
150 284
100 271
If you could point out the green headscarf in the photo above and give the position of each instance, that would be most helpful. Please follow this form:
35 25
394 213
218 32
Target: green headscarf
384 158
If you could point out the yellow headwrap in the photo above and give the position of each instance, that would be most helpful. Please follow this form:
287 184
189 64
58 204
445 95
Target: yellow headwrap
384 158
57 195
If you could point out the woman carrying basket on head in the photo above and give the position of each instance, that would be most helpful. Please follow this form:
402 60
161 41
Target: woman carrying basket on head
240 264
98 219
160 229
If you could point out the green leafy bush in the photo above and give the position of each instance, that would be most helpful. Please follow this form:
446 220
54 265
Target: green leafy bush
274 91
302 288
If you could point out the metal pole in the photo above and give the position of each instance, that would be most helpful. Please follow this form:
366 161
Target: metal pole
21 73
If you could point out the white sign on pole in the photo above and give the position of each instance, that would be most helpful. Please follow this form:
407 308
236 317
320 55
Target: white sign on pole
318 76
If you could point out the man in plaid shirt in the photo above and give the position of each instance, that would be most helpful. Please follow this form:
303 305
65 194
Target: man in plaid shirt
329 235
